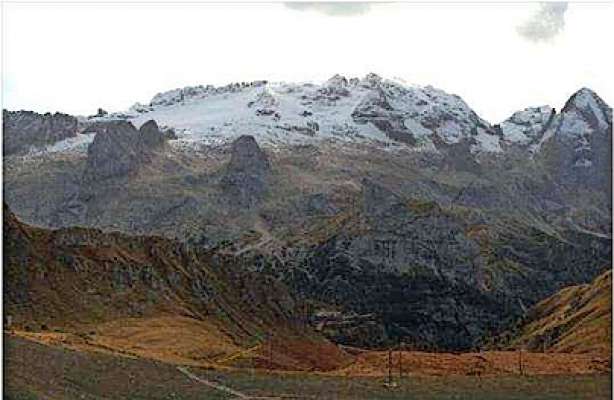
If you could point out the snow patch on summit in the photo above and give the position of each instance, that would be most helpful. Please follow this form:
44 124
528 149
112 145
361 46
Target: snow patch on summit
382 112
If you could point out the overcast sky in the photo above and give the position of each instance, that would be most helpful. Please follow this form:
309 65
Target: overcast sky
500 58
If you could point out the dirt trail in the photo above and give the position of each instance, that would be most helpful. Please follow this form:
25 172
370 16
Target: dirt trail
213 385
237 394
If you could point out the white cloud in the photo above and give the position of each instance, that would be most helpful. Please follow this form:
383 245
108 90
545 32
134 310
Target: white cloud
341 9
547 22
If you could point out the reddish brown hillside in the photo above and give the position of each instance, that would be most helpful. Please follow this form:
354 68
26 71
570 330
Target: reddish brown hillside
147 296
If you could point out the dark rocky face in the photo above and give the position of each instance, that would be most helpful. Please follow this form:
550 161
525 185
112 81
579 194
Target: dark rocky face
245 177
247 157
26 129
150 135
114 151
119 148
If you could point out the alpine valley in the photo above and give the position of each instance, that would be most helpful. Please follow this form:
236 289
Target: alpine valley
375 211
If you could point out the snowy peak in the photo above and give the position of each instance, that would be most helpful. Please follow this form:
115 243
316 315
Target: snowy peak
577 144
370 109
583 99
386 113
583 114
585 110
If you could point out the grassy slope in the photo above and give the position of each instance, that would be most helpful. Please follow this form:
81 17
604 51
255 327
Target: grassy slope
35 371
576 319
148 297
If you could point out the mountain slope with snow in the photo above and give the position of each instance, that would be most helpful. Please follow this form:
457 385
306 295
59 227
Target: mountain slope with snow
386 113
371 109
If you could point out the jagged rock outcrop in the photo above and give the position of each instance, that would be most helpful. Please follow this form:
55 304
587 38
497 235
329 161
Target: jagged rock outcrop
422 115
371 81
244 179
119 148
150 136
23 130
114 151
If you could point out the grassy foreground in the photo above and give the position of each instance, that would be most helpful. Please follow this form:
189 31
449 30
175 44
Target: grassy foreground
35 371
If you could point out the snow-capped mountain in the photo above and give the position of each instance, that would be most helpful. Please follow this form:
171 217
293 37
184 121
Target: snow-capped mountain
387 113
401 185
370 109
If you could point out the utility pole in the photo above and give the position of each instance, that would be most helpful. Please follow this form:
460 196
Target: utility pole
401 345
389 367
270 353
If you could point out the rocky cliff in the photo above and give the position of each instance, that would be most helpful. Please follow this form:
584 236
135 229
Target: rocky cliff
24 130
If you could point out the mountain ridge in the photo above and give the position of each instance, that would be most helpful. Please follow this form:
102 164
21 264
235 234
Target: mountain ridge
364 197
418 117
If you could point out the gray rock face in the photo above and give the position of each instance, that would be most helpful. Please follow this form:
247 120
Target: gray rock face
26 129
458 156
119 148
150 136
378 200
411 114
371 80
247 157
114 151
438 278
245 177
